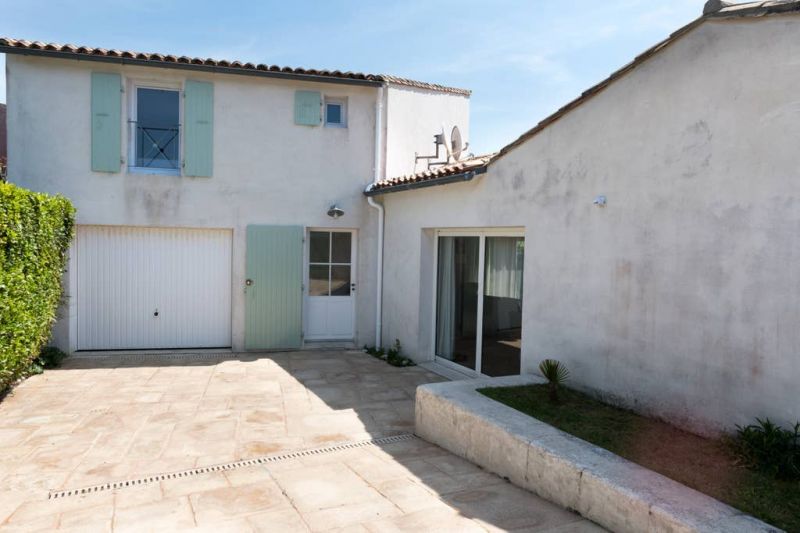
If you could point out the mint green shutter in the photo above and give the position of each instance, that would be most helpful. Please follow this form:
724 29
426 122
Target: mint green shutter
198 134
307 108
273 301
106 121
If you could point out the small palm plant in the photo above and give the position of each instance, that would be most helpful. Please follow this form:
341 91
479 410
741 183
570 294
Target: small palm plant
770 448
556 375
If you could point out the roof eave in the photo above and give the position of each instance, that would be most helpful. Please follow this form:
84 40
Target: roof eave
392 82
461 177
189 66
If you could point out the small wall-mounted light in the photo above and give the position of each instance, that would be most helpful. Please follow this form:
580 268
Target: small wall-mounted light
600 201
335 211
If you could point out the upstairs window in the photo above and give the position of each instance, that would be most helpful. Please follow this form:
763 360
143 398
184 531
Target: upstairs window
335 112
156 132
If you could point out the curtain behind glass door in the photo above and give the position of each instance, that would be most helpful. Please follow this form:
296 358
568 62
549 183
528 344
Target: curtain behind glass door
502 306
457 299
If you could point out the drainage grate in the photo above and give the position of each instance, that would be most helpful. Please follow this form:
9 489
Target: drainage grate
127 357
155 478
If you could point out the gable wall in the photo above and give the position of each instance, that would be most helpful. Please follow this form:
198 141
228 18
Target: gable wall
413 117
680 298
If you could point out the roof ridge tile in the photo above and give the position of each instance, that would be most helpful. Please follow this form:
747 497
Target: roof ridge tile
10 45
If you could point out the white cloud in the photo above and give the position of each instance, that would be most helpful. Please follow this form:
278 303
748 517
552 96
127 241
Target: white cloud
523 58
667 18
539 46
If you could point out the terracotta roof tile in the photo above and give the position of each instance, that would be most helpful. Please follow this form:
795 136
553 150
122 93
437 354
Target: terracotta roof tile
433 176
21 46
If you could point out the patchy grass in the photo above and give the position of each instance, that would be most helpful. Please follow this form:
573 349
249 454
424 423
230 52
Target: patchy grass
706 465
576 413
774 501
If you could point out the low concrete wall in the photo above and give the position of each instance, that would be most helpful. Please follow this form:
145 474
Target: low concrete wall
564 469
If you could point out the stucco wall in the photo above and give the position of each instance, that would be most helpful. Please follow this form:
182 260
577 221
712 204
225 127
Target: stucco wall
413 117
2 131
681 297
267 170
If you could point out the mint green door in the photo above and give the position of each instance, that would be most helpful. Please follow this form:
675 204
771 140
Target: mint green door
274 288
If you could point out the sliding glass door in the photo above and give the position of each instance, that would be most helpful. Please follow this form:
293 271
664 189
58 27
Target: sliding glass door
457 300
479 301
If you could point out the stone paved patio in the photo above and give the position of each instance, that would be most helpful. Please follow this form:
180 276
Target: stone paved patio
105 419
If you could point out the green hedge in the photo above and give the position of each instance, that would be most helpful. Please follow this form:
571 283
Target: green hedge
35 232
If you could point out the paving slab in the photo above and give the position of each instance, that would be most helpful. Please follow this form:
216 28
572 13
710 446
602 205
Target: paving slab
172 428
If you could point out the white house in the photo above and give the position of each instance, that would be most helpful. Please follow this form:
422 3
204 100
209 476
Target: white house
220 204
646 234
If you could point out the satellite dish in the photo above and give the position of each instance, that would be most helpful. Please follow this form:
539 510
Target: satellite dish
456 143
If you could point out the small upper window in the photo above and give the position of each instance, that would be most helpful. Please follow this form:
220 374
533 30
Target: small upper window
336 112
157 132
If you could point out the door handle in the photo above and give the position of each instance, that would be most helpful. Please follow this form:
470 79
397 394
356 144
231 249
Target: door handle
248 282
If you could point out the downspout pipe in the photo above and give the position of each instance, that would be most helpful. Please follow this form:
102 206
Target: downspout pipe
379 273
371 201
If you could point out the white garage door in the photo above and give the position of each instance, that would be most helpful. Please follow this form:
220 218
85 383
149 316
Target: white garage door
144 288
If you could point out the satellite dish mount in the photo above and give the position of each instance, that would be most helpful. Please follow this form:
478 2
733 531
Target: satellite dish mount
453 148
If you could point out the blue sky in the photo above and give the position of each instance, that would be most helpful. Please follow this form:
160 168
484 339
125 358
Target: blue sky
523 59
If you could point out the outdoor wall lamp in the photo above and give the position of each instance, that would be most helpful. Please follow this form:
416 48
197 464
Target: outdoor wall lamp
335 211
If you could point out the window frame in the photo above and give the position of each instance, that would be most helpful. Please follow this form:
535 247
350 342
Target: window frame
330 263
341 101
133 87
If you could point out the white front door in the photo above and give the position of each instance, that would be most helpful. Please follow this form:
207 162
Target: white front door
331 275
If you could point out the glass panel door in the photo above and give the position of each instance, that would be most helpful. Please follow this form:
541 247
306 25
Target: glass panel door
457 299
502 306
479 302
